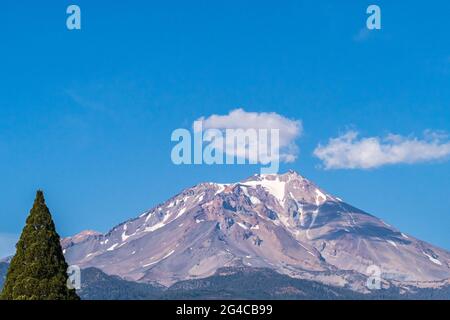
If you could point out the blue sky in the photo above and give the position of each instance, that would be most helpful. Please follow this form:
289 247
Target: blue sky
87 115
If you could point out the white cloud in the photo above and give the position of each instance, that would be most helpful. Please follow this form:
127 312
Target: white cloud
348 151
7 244
289 130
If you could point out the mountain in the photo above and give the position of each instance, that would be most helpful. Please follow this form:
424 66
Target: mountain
284 223
3 271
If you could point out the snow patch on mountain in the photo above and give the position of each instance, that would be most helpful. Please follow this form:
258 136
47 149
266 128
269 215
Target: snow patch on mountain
274 187
434 260
254 200
320 198
180 213
112 247
243 226
155 262
392 243
221 187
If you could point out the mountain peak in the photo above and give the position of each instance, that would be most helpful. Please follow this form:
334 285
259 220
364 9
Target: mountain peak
287 176
82 236
284 177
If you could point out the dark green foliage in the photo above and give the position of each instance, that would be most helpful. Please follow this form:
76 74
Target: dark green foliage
238 283
97 285
235 284
255 284
38 270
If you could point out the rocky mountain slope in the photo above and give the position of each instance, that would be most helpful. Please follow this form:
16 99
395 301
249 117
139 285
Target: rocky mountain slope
280 222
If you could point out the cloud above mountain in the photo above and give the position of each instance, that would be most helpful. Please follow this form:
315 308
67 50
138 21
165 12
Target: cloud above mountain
349 151
289 129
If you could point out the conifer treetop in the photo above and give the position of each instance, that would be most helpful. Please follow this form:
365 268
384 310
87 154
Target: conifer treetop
38 270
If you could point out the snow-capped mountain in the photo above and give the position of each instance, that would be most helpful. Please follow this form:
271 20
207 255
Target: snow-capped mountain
282 222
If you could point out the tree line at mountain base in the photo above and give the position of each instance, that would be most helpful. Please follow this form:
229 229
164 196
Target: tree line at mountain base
238 284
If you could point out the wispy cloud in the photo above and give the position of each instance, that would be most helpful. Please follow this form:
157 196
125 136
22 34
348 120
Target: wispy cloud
289 130
348 151
7 244
85 103
362 35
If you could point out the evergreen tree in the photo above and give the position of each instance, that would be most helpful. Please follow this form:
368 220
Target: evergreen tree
38 271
